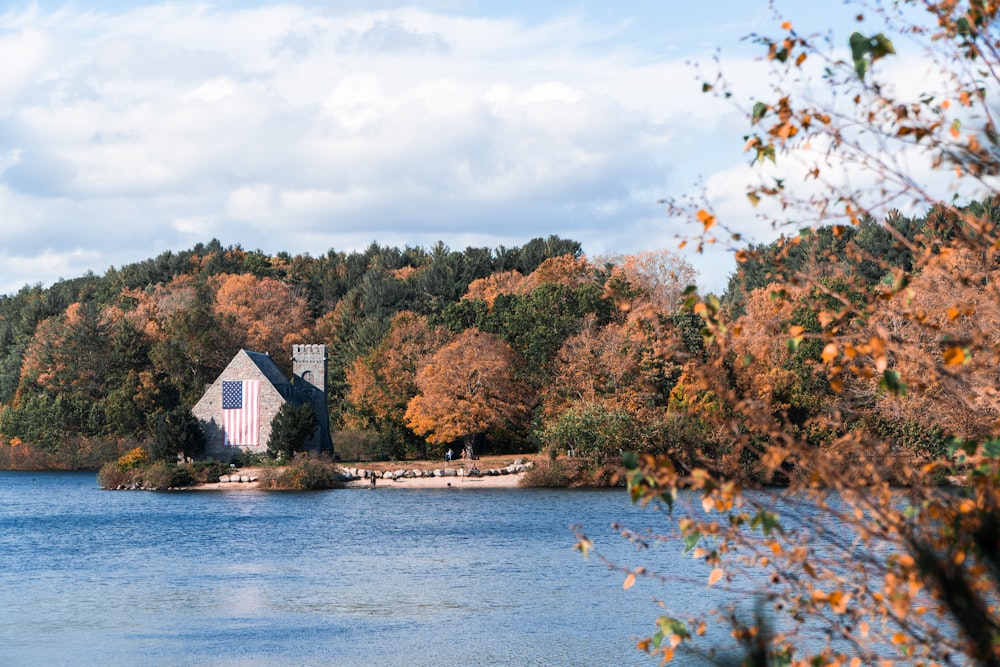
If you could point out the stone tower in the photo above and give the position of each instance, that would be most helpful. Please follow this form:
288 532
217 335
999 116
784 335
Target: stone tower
309 377
309 365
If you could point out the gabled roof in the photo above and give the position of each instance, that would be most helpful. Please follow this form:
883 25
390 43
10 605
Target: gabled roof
267 366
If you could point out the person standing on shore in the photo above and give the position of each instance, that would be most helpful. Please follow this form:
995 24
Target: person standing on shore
447 456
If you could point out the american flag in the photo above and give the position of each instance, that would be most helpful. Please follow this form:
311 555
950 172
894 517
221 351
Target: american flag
240 409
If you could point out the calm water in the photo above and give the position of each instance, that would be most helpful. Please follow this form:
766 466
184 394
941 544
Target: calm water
348 577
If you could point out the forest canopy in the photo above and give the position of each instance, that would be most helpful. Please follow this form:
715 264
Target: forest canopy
91 366
510 350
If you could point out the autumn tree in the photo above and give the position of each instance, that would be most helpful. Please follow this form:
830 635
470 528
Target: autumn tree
661 274
382 383
468 389
261 314
939 322
912 572
611 384
489 288
89 362
69 353
190 347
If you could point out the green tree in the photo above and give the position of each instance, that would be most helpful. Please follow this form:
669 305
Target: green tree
592 430
176 433
291 430
538 323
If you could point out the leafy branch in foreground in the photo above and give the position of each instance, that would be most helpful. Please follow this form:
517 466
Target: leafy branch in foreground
834 352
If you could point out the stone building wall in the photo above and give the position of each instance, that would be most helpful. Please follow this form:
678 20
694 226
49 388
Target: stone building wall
208 410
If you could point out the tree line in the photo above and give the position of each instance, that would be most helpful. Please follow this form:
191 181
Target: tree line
506 350
94 366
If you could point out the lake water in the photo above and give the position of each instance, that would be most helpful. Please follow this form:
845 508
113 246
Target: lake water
345 577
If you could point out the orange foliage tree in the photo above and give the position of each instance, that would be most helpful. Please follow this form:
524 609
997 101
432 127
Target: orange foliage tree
262 314
382 383
489 288
468 389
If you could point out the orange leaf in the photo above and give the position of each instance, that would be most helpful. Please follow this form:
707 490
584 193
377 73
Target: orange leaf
954 355
715 576
705 218
629 581
787 25
829 352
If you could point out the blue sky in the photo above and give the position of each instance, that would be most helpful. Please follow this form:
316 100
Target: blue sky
131 128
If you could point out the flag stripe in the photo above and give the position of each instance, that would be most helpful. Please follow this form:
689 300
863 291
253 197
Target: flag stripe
240 412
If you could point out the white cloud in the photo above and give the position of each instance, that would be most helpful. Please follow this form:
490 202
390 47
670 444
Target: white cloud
299 128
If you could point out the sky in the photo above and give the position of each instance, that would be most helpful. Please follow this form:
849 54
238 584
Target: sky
131 128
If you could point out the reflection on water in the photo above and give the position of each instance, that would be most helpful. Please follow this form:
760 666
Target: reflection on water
350 577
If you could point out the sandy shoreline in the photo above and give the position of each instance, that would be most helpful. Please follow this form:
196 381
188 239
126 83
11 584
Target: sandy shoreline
486 482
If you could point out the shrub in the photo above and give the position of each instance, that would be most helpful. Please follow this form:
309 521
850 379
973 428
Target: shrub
113 476
134 458
165 475
246 459
547 474
304 474
593 431
202 472
356 445
176 432
291 430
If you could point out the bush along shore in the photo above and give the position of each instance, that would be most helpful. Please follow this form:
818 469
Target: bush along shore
135 471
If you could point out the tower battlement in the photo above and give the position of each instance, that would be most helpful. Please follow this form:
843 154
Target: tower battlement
309 365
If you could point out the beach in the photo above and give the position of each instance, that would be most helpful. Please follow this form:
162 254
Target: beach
484 482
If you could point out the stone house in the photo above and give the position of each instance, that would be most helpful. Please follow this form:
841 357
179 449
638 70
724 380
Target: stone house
236 410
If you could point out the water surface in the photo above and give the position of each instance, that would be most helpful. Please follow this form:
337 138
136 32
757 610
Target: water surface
346 577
